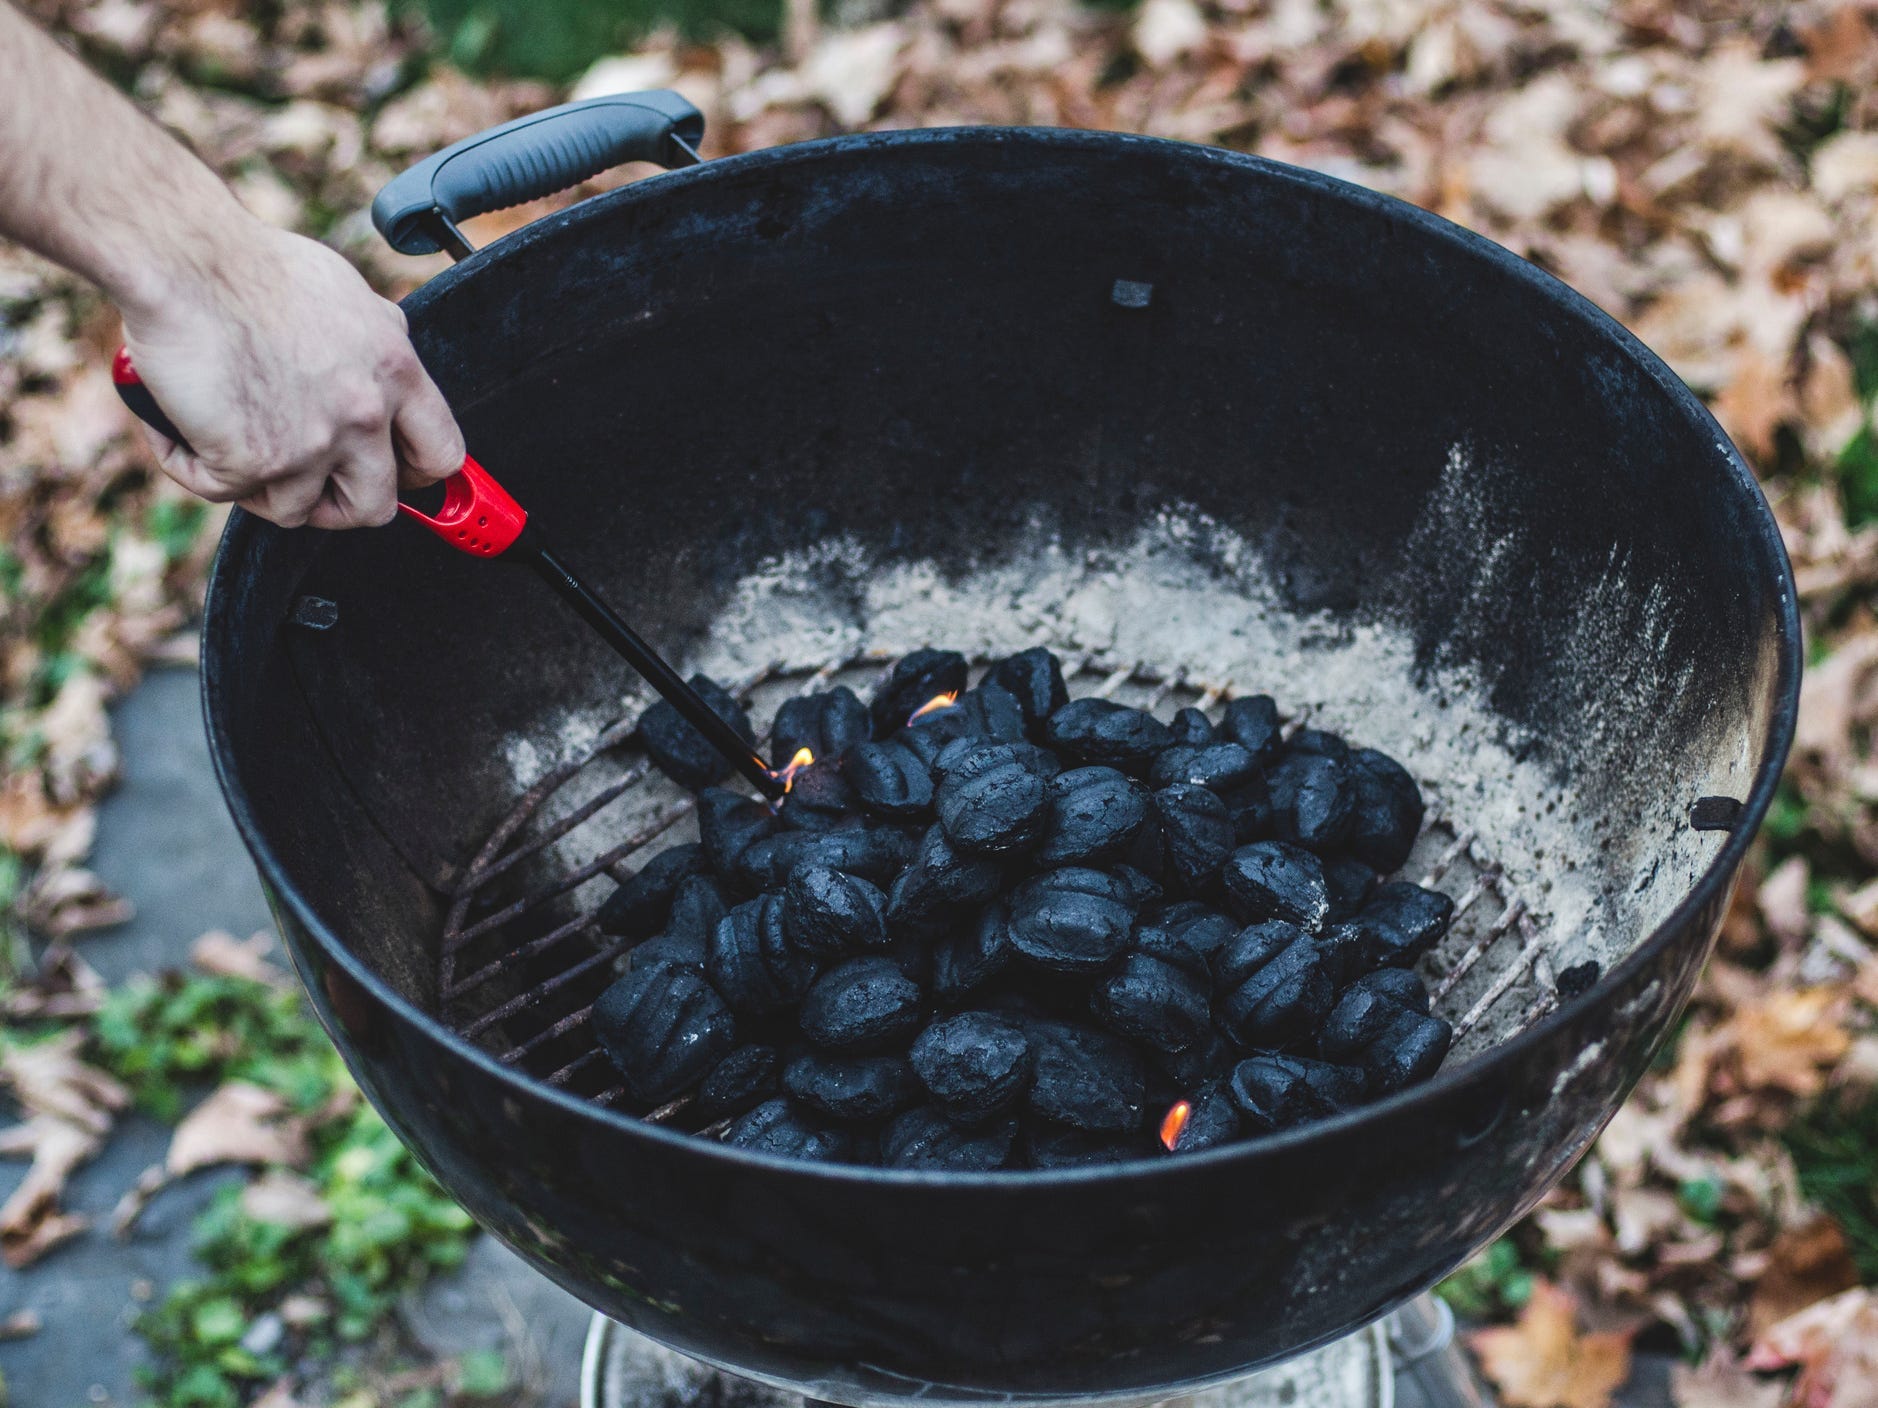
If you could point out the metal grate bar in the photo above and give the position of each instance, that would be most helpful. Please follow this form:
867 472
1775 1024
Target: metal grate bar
534 996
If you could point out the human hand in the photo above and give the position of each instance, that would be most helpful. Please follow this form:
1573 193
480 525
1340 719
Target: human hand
296 386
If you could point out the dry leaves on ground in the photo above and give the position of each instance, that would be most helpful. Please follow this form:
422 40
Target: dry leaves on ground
1544 1361
70 1108
1834 1345
238 1123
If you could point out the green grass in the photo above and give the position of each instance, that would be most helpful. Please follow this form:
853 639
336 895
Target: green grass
391 1227
1835 1148
1491 1286
558 39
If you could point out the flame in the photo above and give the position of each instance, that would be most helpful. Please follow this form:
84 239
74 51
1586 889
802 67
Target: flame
1175 1124
938 701
801 760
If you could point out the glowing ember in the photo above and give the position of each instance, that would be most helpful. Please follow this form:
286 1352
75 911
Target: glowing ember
1175 1124
801 760
938 701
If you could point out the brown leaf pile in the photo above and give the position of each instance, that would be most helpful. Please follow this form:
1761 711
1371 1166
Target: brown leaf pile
1707 170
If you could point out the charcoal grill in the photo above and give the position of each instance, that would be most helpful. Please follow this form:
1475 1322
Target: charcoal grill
1202 423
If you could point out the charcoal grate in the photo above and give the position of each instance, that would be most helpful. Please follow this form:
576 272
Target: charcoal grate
520 958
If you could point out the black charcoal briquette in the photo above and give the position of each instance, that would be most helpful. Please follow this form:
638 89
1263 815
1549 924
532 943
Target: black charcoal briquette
728 825
1312 799
1387 816
1320 741
687 950
1220 767
700 903
1274 880
1197 831
1253 723
1212 1119
974 1064
1085 1079
1055 1146
751 961
827 724
1094 814
1578 979
1191 729
663 1027
1250 806
850 1088
915 680
682 753
1274 986
926 1138
1072 920
1349 884
1035 679
832 914
742 1080
819 798
991 810
1205 1059
1100 731
940 876
641 906
1275 1092
1403 921
1199 926
1400 986
1394 1045
1157 996
970 954
784 1128
875 853
860 1005
889 780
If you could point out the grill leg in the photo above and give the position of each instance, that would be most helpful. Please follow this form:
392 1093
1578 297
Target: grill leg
1431 1368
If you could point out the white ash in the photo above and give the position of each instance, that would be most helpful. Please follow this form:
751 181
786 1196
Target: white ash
1187 596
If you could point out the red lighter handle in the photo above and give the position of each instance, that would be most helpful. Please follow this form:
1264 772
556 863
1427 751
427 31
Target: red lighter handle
478 515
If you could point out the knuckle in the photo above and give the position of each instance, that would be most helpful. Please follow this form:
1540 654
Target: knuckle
362 406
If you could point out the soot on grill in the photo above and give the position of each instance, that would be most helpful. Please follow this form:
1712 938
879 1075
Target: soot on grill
993 927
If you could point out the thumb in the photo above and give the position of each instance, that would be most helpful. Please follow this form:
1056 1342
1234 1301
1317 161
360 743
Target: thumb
429 445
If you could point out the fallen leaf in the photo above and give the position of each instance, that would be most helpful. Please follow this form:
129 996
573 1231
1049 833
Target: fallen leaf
239 1123
31 1222
223 955
1805 1264
1722 1381
1782 898
1542 1361
49 1078
1834 1344
284 1197
1787 1040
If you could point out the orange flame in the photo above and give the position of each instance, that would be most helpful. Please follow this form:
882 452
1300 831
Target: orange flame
801 760
1175 1124
938 701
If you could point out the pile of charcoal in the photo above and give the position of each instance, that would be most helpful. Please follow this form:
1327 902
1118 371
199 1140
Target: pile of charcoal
996 927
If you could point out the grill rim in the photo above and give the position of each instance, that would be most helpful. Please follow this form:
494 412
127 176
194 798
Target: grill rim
244 538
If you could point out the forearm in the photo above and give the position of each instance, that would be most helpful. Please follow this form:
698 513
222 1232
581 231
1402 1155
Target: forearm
89 182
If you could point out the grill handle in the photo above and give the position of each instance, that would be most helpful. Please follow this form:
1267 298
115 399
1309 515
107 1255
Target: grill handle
418 210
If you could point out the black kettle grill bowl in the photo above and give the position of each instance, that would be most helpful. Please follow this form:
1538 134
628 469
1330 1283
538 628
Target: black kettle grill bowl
913 340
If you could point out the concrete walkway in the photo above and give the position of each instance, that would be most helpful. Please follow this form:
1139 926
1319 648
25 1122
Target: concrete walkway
166 844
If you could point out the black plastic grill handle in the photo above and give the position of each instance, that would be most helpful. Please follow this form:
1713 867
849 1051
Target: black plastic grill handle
533 156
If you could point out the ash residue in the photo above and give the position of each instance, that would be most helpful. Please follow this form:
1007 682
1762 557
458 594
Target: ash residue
1190 597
